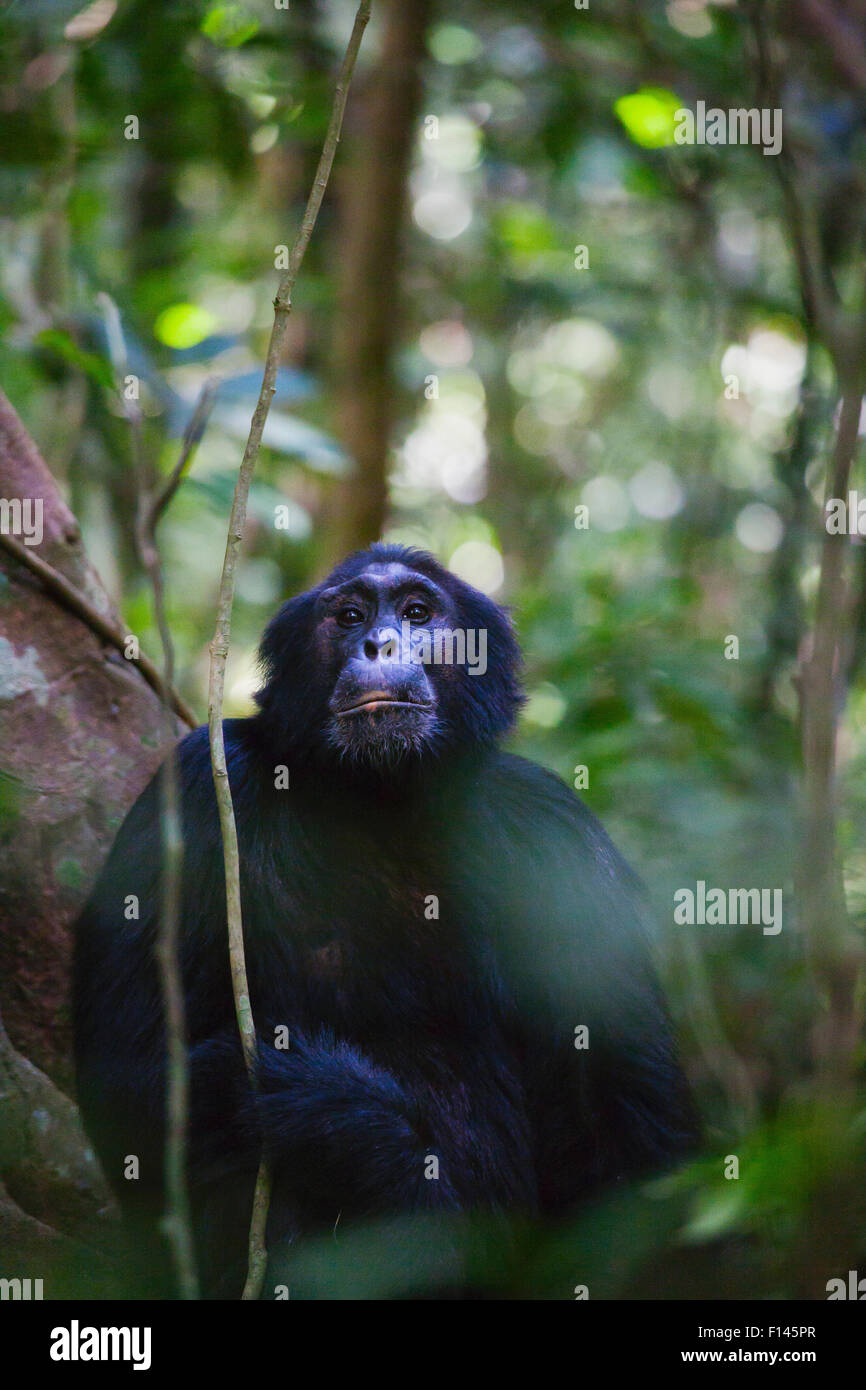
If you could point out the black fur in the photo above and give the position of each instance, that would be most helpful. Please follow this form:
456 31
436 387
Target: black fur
412 1036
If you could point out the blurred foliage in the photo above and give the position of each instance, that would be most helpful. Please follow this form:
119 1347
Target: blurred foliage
672 387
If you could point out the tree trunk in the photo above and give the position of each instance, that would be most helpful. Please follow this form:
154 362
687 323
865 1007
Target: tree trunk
372 213
80 734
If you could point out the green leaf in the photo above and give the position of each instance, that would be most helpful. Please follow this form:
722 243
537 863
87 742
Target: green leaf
183 325
649 116
96 367
230 25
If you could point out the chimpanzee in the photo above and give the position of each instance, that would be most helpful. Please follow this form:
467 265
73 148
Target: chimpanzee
448 968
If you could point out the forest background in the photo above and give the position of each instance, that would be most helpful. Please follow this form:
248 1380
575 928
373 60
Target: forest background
604 376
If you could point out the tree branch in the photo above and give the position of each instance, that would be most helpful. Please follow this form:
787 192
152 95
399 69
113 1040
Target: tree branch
176 1222
844 39
60 588
818 288
191 439
222 634
837 958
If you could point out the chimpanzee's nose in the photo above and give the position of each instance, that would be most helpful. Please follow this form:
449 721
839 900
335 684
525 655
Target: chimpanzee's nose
382 644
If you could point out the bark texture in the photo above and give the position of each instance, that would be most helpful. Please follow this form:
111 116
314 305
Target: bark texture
79 737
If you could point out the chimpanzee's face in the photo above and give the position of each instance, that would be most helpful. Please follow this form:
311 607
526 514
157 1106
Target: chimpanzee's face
375 633
389 660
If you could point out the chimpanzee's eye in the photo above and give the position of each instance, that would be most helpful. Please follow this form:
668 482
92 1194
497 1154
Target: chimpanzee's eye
416 612
350 616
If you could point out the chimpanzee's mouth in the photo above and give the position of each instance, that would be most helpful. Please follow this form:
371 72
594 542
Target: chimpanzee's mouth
380 699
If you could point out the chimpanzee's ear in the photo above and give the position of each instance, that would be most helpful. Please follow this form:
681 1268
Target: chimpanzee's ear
286 661
489 701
